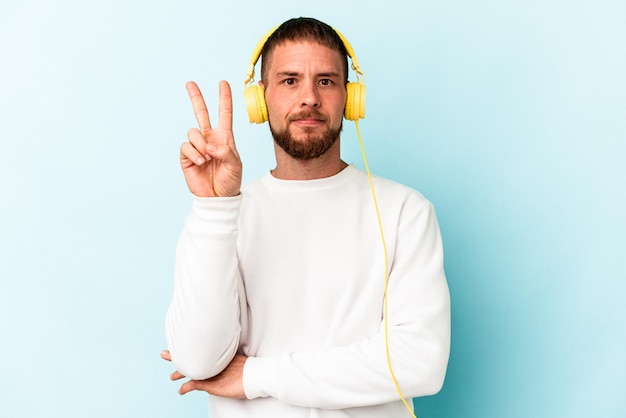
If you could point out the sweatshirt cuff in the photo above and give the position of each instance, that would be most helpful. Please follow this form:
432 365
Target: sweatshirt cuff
219 212
260 377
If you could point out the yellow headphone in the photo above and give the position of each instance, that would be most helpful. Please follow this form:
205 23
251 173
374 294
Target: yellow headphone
255 95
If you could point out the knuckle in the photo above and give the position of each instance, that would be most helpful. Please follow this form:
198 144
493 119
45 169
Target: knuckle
192 133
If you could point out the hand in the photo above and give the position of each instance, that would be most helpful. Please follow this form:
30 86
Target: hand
227 384
209 159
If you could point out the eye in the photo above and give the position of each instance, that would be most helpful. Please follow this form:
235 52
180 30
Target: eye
289 81
325 82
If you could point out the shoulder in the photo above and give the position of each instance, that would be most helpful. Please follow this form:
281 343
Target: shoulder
393 190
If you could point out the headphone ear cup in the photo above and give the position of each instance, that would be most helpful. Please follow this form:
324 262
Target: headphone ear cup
254 97
355 101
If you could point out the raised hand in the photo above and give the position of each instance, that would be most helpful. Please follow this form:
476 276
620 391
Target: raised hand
210 160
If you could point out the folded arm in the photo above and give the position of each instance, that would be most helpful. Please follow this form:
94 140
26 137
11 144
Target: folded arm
203 320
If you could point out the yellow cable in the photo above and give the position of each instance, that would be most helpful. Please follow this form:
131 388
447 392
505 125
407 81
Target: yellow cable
385 301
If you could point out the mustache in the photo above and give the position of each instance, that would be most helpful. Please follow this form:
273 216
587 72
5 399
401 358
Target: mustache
307 114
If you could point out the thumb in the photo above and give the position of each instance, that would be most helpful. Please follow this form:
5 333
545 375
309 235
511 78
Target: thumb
223 152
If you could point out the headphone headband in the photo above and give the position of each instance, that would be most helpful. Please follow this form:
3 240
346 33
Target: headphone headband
256 54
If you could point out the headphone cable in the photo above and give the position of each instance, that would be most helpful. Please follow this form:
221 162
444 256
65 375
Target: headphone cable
386 292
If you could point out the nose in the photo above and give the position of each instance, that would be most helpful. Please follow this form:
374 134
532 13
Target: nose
310 95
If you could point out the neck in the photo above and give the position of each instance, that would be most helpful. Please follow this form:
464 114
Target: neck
289 168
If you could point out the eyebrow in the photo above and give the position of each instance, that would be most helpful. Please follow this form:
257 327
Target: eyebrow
295 74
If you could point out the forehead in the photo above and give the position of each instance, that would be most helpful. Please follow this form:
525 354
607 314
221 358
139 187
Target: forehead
301 55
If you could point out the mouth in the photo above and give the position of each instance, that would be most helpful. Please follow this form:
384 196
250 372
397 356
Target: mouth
308 122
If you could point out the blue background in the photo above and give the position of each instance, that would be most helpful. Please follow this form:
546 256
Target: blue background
509 116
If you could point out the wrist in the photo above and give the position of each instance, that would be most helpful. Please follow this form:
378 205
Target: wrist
260 377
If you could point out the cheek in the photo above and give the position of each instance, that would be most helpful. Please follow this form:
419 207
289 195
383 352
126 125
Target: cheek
272 110
341 106
274 106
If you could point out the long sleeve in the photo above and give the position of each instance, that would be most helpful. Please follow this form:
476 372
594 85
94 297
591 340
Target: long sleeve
203 320
356 374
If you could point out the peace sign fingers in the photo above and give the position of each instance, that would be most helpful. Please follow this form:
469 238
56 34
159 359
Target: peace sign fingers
210 161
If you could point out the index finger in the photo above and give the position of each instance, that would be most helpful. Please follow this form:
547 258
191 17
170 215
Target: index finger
199 106
226 106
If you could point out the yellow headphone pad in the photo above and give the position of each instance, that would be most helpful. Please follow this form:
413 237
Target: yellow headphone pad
355 101
254 97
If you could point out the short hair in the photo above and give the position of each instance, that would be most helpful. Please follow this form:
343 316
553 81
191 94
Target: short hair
303 29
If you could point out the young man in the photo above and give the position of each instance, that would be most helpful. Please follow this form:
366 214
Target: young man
279 286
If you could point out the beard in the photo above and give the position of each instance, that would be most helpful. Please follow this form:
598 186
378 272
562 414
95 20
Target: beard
307 146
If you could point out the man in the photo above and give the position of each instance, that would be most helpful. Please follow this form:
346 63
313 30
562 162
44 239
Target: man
279 286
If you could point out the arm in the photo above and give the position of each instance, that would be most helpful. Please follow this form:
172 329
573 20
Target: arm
202 324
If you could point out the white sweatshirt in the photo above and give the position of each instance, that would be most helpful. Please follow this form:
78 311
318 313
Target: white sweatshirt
292 274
